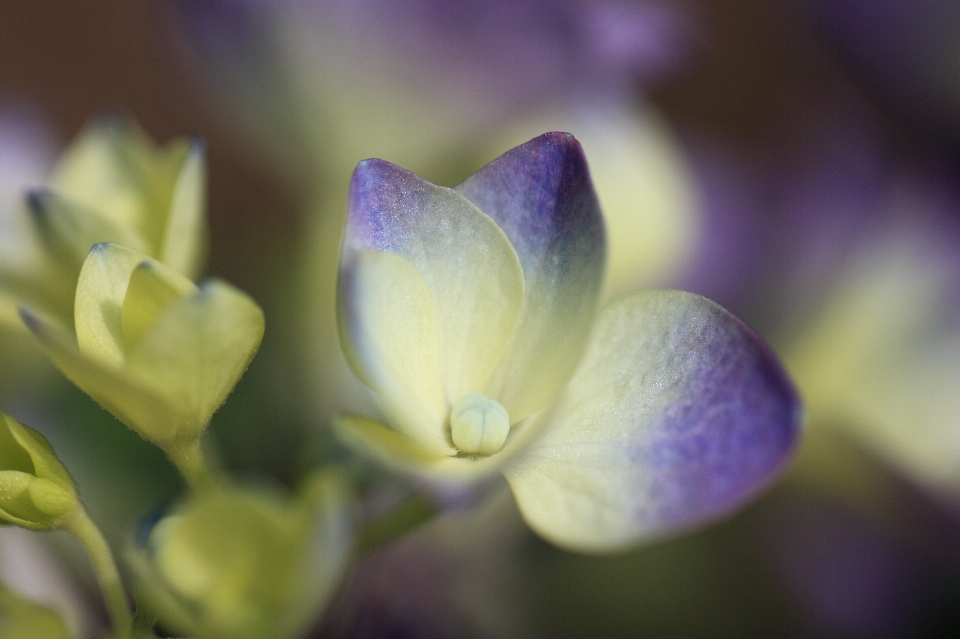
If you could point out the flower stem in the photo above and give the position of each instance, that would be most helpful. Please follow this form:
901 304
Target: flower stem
90 536
409 515
190 462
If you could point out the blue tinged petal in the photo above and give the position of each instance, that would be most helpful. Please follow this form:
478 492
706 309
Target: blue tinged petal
541 195
677 414
470 268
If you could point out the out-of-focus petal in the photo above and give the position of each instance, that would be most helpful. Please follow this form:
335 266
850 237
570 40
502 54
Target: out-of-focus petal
471 269
677 414
540 194
183 244
127 399
197 350
101 290
882 360
156 351
68 230
391 337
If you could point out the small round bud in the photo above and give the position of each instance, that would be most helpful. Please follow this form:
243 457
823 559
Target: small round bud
478 425
51 498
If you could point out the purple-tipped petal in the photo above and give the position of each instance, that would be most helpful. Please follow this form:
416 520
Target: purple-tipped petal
470 269
540 194
676 416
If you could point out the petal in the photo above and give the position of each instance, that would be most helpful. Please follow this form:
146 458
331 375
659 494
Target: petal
541 196
94 172
197 350
677 415
68 230
101 290
149 293
128 399
179 372
468 263
183 244
391 336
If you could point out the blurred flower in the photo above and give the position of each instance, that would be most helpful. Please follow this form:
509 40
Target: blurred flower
410 81
470 314
157 351
853 275
111 185
880 357
246 564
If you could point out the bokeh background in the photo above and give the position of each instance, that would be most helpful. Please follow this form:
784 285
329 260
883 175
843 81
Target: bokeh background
802 158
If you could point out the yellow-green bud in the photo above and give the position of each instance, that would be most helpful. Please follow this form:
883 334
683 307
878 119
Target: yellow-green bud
35 489
479 425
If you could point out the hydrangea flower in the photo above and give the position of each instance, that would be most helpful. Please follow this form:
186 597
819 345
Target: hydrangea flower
244 563
472 316
112 184
153 348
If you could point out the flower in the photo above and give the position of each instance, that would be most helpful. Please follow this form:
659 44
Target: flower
157 351
244 563
36 491
472 316
111 185
116 184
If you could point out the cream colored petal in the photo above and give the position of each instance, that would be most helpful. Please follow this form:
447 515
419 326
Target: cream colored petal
101 290
468 263
150 292
183 245
541 196
677 414
68 230
138 406
93 173
391 336
196 351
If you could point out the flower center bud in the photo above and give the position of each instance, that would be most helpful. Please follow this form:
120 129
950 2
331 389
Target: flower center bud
478 425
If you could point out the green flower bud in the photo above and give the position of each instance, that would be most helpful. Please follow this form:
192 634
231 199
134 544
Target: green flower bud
246 564
479 425
36 491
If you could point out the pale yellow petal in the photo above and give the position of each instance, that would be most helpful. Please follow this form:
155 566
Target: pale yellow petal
391 336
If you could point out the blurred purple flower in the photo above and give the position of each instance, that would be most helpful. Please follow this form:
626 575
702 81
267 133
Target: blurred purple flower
853 273
433 73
